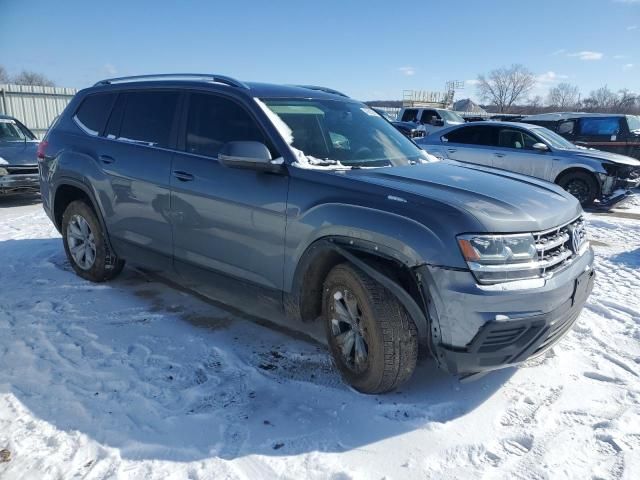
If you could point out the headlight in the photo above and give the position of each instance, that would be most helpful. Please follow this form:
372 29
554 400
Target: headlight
501 258
3 171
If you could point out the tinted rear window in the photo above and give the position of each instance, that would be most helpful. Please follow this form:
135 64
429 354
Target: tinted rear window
148 118
94 111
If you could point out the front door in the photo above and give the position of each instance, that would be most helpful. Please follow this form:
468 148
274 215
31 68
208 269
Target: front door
514 152
228 224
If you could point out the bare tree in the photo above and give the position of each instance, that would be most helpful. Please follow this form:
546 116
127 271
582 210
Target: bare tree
534 105
602 99
32 78
626 101
505 86
564 96
4 76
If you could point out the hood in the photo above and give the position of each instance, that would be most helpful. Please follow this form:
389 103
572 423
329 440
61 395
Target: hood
602 155
501 201
19 153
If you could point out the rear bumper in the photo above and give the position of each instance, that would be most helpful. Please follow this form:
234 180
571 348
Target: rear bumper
19 183
475 330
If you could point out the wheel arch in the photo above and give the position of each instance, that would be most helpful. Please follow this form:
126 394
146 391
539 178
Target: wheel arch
581 169
69 190
389 268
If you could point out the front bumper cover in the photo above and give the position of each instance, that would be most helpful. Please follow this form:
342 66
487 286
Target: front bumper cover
503 343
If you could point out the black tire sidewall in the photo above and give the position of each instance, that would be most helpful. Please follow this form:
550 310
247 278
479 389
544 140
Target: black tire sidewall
583 177
372 377
98 271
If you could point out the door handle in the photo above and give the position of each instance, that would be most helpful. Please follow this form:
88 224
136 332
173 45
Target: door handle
183 176
452 150
499 155
106 159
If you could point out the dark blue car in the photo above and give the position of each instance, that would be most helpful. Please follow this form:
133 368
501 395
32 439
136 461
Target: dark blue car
18 158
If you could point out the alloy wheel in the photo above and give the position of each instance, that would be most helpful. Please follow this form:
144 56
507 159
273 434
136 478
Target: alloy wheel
348 330
81 242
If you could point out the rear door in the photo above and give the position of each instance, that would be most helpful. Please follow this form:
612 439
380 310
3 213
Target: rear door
225 220
470 143
602 133
514 152
137 160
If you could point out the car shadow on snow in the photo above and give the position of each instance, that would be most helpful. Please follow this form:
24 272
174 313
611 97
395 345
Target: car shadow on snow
160 374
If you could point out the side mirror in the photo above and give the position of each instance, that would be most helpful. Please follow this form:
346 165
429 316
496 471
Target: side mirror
247 155
542 147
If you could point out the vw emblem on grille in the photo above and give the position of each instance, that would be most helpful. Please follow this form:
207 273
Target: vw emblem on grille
578 236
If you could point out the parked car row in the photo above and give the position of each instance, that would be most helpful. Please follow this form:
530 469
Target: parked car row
299 203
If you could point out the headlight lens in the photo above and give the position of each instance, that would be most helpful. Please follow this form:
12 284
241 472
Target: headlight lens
501 258
3 171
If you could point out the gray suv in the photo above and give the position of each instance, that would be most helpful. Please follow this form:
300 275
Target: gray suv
299 204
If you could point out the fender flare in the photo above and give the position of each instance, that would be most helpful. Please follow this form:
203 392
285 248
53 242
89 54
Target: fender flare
344 247
82 186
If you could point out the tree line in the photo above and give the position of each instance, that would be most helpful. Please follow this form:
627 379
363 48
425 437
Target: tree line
26 77
507 90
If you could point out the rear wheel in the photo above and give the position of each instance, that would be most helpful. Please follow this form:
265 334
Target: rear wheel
373 341
85 244
581 185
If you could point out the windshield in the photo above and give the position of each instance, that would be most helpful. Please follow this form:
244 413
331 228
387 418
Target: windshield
10 131
553 139
340 133
451 116
634 122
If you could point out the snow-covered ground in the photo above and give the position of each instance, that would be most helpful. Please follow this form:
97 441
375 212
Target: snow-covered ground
136 380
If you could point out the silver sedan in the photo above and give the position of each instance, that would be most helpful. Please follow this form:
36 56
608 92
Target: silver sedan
531 150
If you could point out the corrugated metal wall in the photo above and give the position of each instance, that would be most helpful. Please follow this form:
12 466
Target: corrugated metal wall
33 105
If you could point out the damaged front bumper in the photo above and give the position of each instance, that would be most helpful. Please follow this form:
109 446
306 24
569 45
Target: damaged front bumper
474 330
14 183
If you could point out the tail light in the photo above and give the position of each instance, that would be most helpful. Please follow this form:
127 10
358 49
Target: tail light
42 146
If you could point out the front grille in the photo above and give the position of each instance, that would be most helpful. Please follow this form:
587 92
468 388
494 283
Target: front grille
417 134
555 247
22 169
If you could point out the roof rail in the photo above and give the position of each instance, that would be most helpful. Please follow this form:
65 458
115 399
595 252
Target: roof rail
323 89
232 82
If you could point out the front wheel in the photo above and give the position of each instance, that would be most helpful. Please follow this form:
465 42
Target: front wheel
85 244
373 341
581 185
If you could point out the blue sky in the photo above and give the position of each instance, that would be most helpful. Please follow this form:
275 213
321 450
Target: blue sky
368 49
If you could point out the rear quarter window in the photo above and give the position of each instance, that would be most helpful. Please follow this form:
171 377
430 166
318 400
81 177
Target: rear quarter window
93 112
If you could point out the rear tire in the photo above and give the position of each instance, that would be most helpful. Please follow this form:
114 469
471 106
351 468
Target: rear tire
373 341
85 244
581 185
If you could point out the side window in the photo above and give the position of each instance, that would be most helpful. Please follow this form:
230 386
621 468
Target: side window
409 115
474 135
148 118
213 121
606 126
429 115
512 138
566 128
93 112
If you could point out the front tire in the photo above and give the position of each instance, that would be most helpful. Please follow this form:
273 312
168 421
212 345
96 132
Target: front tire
373 341
581 185
86 245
